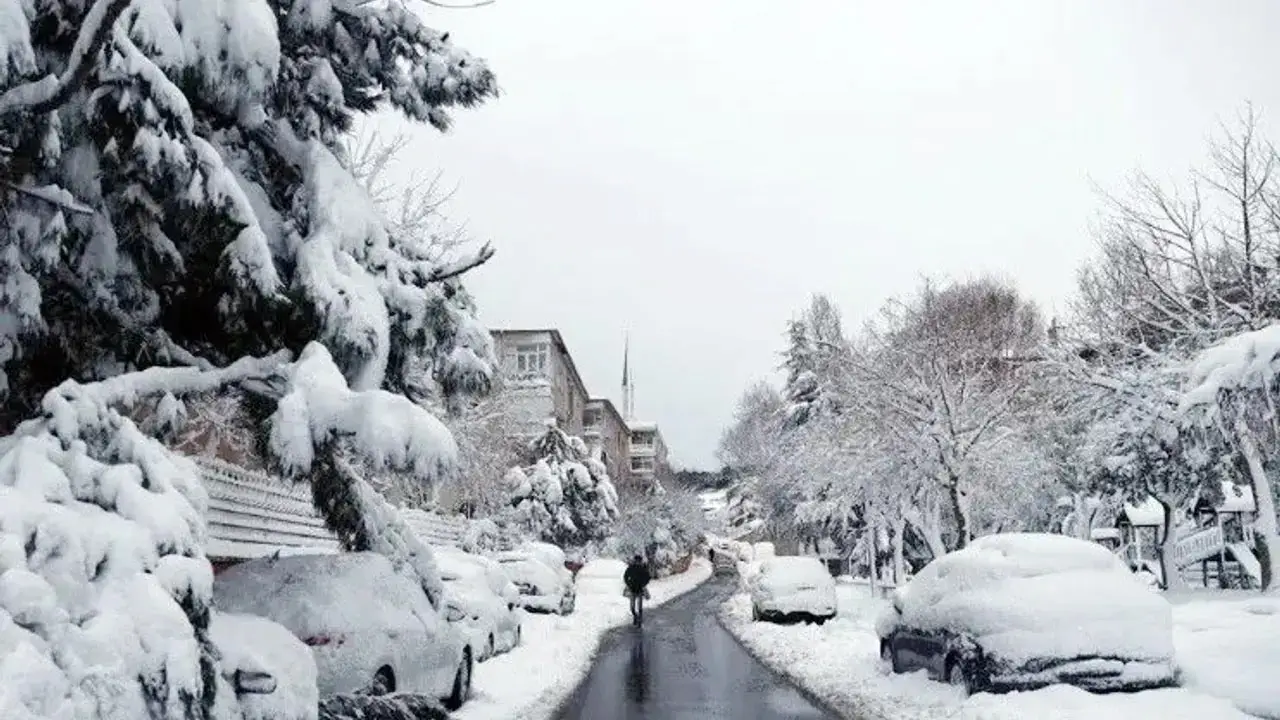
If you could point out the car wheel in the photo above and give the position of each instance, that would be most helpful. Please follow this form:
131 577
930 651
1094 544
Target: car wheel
383 683
958 677
461 683
888 655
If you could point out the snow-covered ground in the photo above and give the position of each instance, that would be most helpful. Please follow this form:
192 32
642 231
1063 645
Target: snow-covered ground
1229 645
531 681
1223 646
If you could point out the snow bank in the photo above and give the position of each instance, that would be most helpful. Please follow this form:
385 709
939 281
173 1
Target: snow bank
1227 647
839 662
531 681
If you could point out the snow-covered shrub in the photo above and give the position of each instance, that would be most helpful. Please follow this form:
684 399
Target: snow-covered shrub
565 497
104 587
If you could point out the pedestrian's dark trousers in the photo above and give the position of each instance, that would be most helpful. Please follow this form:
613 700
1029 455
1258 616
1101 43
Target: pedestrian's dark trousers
637 606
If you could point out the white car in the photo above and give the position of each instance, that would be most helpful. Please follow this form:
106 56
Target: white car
269 673
492 620
370 628
542 588
1018 611
789 588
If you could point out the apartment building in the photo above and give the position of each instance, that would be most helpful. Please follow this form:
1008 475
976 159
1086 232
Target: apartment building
605 428
535 366
648 452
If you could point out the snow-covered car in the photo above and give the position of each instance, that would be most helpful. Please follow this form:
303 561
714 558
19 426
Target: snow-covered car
724 563
494 576
370 628
1021 611
788 588
552 555
491 620
542 588
270 672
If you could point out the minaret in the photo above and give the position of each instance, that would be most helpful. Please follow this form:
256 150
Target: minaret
627 397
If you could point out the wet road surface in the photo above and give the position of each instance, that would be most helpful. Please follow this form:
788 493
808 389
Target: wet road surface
683 666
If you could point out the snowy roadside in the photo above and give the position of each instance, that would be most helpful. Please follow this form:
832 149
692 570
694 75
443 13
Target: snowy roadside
839 662
531 681
1226 643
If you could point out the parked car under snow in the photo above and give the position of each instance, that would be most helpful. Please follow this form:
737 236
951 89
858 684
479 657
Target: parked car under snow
543 588
270 674
1021 611
370 628
788 588
486 606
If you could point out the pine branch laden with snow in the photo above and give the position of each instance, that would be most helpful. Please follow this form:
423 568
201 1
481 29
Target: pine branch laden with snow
565 497
105 591
183 198
1232 388
319 421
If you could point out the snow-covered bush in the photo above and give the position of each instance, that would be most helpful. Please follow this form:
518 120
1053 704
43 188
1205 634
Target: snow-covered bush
565 497
104 587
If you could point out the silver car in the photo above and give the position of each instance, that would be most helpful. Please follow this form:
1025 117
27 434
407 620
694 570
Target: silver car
370 628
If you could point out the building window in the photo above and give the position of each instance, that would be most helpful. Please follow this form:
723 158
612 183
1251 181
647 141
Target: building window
642 463
643 439
532 359
590 417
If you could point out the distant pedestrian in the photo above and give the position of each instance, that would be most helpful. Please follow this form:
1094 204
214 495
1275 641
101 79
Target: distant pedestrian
636 580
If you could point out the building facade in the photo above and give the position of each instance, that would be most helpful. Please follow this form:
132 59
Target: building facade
536 367
648 453
606 430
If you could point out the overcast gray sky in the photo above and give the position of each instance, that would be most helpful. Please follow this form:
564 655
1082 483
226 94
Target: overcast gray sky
691 171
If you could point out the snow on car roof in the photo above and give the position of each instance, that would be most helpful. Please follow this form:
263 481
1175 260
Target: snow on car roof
793 568
1040 595
320 593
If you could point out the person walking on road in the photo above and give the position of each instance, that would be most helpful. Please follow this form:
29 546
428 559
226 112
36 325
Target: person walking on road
636 579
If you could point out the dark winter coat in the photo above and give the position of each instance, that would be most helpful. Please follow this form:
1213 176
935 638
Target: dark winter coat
636 577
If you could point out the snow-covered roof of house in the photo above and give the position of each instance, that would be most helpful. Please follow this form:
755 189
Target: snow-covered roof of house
1148 513
1237 498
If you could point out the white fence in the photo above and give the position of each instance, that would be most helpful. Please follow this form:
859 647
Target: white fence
252 514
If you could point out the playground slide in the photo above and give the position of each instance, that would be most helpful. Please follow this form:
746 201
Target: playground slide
1244 555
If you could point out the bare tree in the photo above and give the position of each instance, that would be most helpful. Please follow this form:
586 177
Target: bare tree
947 375
413 204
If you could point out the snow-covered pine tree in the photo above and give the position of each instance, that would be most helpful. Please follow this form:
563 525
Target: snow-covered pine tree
172 193
185 201
565 495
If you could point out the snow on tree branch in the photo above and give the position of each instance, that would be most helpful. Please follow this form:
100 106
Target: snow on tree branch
386 429
50 92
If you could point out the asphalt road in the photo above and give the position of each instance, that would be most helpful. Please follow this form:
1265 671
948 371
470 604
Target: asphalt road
683 665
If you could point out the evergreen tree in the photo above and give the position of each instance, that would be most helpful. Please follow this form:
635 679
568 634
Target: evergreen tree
186 201
564 496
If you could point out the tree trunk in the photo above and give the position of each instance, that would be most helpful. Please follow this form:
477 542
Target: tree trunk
929 522
899 563
1168 542
1264 528
960 506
